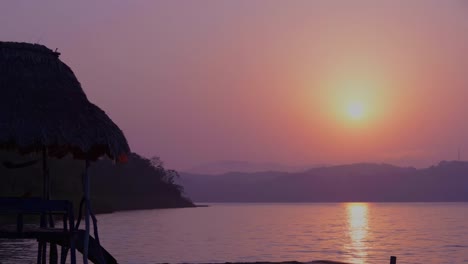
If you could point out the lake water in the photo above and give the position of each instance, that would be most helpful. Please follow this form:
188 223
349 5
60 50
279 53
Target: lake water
351 232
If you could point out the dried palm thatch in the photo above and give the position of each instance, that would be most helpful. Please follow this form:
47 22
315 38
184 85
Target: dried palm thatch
42 105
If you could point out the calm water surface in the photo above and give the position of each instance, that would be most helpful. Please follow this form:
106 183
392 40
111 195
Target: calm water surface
352 232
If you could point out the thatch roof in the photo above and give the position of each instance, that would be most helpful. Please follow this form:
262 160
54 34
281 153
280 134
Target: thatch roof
42 104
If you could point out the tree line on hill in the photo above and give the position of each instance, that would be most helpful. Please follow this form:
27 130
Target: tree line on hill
140 183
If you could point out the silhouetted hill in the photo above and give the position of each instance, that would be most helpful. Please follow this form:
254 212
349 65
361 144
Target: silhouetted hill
138 184
445 182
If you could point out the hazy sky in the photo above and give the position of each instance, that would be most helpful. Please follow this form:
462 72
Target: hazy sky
293 82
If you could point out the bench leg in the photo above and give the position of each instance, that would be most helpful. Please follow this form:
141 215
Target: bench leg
63 255
72 250
53 258
42 252
39 252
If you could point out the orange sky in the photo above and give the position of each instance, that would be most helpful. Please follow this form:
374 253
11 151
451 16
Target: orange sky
200 81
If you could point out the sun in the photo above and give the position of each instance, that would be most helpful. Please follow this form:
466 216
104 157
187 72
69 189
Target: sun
355 110
355 96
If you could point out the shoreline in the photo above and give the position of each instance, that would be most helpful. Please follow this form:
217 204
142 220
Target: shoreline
284 262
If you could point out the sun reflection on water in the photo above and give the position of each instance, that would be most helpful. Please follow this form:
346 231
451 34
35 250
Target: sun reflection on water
358 226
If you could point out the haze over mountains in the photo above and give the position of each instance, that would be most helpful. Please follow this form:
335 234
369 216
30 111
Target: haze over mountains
362 182
225 166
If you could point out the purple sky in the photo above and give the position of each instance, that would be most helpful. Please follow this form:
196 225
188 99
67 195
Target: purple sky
266 81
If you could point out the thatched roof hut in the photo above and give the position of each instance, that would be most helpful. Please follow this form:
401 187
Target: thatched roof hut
42 104
43 108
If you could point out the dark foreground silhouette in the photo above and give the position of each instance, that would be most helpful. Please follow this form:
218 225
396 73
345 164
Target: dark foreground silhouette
139 184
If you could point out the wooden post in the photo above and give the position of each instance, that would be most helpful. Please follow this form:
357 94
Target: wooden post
42 251
392 260
100 256
87 211
47 219
39 253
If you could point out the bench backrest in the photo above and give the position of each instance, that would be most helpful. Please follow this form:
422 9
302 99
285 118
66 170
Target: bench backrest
34 206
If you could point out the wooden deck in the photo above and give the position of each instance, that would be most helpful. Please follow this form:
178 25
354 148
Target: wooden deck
97 254
69 237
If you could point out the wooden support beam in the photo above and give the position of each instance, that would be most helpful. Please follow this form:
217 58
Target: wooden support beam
87 212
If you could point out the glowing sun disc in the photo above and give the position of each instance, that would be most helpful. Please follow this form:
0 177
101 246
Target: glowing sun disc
355 110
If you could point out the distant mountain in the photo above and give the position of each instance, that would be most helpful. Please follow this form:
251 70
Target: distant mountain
363 182
225 166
